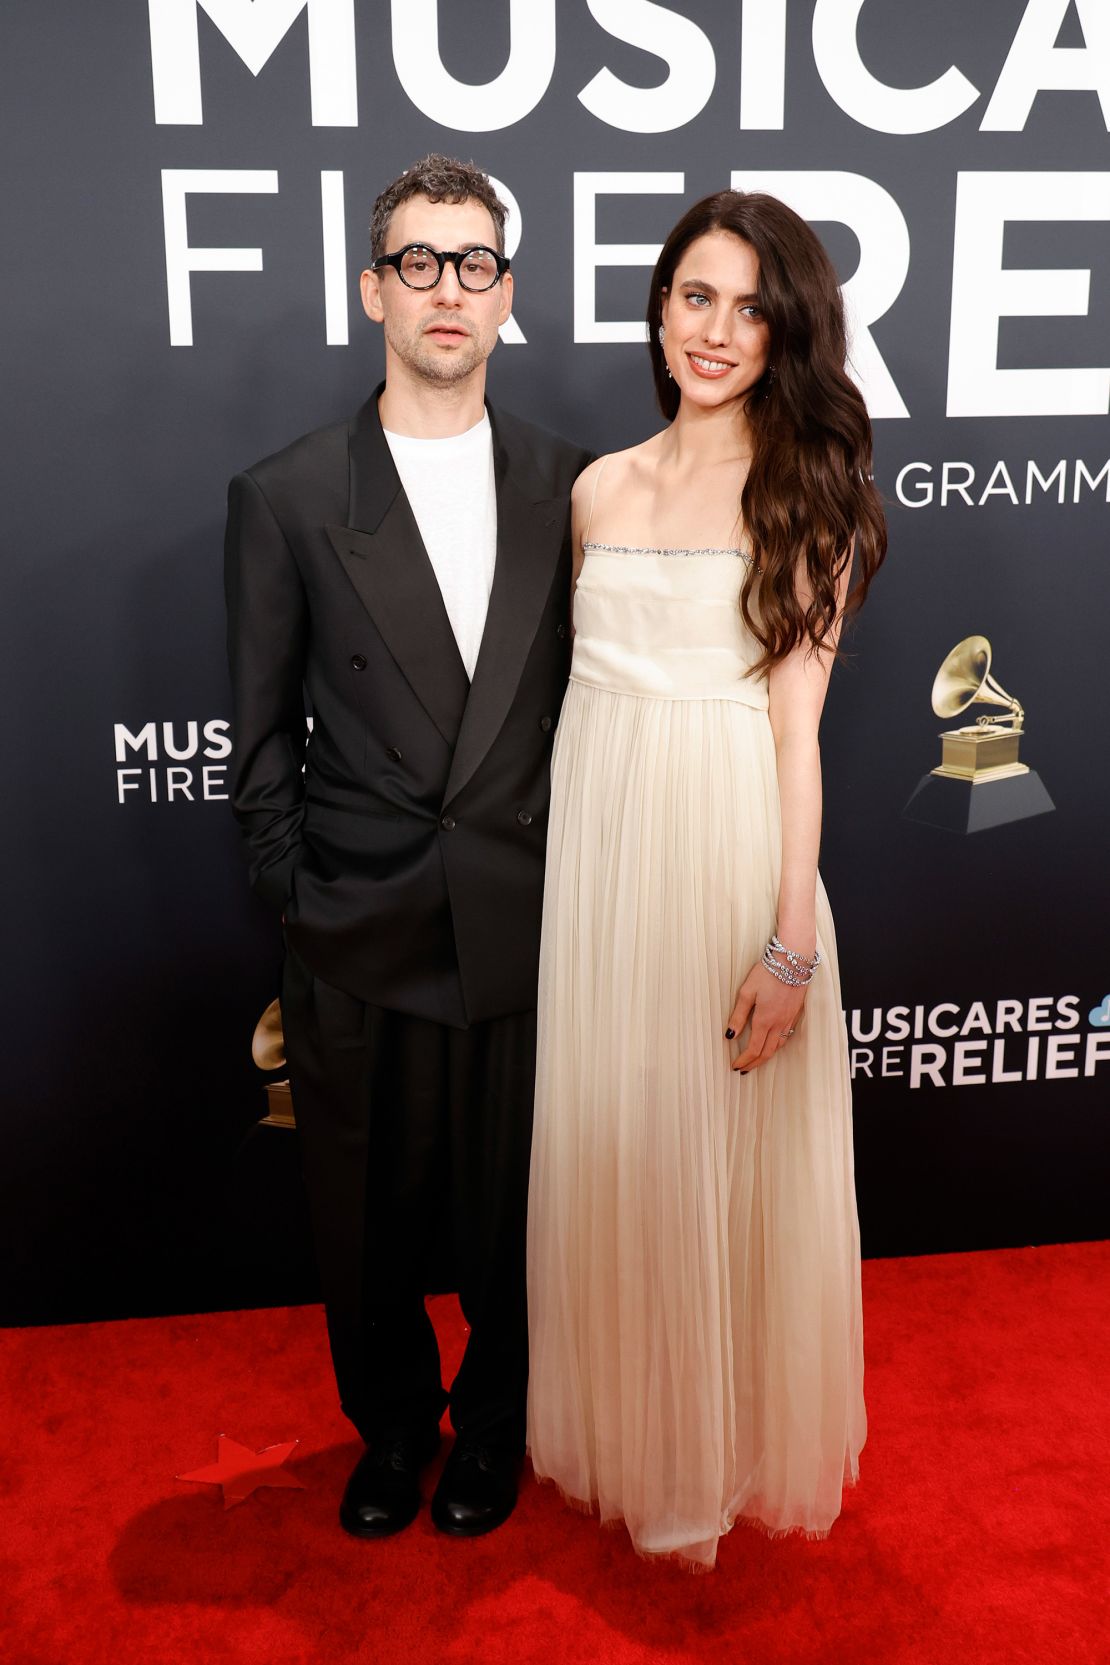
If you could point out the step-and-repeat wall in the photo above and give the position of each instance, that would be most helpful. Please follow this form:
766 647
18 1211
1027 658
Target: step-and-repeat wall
187 193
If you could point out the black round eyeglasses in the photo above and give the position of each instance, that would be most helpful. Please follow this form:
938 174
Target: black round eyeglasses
420 267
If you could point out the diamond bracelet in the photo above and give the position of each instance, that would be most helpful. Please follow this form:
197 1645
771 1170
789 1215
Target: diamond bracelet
798 971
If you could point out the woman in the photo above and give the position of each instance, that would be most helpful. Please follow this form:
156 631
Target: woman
696 1337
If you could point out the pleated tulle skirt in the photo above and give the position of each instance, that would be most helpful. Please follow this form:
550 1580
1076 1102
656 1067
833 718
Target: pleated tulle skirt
693 1247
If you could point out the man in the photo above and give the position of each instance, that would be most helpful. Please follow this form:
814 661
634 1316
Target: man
411 573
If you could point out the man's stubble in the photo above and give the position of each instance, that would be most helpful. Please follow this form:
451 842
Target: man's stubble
432 364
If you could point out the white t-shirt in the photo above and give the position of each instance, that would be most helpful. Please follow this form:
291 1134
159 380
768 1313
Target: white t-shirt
450 487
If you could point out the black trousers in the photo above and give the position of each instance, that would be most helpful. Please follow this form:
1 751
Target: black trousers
414 1141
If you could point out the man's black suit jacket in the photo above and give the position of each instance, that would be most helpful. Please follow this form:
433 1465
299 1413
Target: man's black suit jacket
408 857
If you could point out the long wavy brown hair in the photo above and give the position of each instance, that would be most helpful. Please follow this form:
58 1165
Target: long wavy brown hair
809 496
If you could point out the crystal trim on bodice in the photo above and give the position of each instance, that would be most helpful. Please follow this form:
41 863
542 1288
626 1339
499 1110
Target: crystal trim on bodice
642 549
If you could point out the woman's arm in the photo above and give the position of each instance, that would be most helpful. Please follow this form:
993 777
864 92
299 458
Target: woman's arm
582 496
796 686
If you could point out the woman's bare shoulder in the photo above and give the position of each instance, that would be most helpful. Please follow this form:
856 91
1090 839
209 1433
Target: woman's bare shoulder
586 481
617 465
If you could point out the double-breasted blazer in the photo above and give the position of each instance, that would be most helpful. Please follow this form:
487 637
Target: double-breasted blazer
403 838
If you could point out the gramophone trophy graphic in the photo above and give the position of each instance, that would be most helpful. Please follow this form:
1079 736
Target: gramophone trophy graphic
268 1052
980 781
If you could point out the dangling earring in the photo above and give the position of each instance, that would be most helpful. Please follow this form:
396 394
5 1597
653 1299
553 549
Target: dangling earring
662 333
771 376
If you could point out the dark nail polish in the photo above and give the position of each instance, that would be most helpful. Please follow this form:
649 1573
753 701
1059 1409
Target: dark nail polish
743 1072
730 1034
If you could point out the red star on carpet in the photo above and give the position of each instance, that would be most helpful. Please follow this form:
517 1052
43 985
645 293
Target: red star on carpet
239 1470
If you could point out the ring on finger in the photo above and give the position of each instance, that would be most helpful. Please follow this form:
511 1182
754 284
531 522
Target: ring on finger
785 1034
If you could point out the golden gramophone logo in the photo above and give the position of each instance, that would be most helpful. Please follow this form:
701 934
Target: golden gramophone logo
268 1052
980 781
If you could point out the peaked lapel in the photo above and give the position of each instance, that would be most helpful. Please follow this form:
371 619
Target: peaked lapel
530 530
383 555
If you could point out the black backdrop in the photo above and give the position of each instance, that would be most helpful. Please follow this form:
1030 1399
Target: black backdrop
136 1179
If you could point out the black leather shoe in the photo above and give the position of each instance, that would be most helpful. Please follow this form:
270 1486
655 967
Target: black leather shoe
477 1489
383 1493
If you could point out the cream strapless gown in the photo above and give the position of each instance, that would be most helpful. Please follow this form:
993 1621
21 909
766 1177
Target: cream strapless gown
693 1247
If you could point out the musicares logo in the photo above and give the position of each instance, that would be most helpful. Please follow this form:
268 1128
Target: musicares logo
179 761
948 1045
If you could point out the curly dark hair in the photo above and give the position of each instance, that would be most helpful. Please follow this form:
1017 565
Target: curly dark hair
809 495
440 179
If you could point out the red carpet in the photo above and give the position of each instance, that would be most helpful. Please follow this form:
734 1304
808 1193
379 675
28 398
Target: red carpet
978 1533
